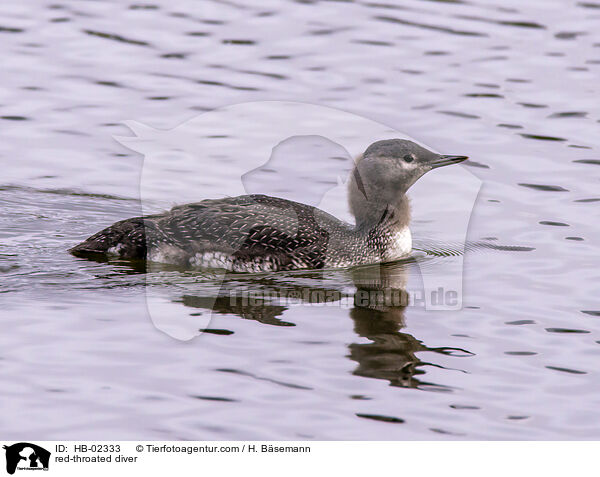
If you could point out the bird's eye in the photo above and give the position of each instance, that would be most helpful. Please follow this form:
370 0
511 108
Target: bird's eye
409 158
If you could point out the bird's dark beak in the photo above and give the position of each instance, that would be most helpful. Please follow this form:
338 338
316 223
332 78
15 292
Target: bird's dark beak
443 160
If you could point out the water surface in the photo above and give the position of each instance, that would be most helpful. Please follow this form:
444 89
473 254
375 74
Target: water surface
512 85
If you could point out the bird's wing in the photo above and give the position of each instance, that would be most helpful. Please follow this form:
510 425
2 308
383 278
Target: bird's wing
247 227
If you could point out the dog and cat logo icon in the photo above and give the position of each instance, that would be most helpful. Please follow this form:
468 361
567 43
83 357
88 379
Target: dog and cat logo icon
26 456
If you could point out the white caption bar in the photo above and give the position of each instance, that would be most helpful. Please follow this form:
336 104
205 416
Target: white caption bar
142 458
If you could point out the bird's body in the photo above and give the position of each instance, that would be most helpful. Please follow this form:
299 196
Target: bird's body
262 233
249 233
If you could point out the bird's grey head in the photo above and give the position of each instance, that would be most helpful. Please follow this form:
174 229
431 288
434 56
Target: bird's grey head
386 171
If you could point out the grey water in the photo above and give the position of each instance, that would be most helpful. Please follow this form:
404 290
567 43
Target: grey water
513 85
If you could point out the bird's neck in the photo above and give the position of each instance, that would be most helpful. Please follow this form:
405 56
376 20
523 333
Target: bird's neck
391 218
377 209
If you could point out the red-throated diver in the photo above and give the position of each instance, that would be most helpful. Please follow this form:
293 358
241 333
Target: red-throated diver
262 233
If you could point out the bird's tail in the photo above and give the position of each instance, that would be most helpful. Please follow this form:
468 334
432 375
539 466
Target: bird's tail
126 238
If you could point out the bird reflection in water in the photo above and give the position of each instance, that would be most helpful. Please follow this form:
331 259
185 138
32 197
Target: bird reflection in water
391 355
378 310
